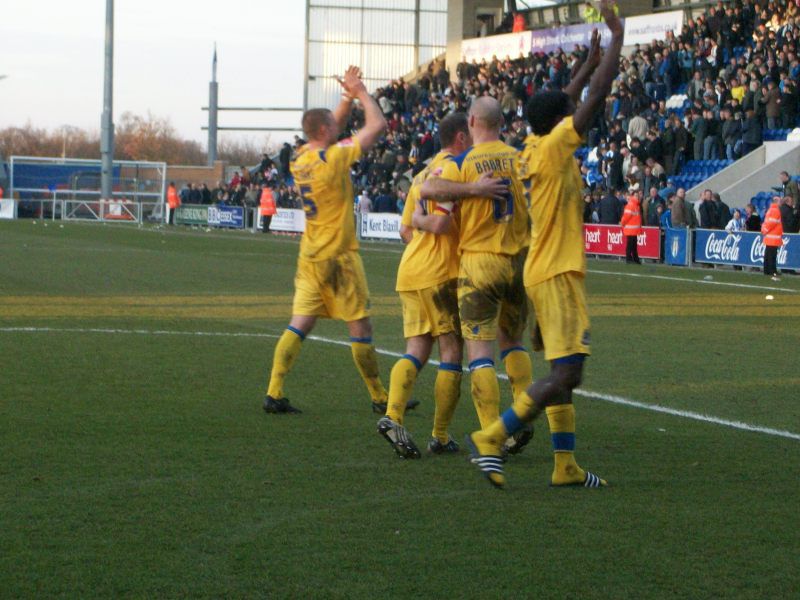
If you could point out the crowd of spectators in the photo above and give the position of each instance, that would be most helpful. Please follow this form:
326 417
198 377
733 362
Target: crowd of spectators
244 186
737 66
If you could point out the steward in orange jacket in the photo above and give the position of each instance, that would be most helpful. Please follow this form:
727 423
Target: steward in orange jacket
267 208
632 227
772 233
518 23
173 202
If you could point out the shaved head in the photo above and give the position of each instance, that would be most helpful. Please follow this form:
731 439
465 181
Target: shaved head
486 110
314 120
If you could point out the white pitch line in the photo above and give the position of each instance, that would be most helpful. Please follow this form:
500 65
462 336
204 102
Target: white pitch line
619 400
701 281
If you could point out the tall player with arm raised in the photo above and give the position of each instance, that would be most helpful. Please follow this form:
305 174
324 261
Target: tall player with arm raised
555 271
330 280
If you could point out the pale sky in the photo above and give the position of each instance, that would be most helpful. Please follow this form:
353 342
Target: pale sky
52 54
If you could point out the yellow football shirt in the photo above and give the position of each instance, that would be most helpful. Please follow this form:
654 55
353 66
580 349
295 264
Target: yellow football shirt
408 207
524 164
494 226
323 179
556 204
428 259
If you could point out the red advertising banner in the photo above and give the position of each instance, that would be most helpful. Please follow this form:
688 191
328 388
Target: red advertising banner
608 240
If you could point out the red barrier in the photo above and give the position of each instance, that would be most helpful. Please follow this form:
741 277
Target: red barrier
609 241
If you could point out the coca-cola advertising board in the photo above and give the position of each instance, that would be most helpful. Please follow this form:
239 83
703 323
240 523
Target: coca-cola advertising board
743 248
609 240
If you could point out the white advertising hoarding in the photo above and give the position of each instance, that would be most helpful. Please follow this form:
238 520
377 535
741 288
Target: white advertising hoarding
383 226
286 219
6 208
501 46
646 28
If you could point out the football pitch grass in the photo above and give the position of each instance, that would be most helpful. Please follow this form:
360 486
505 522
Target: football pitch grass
136 459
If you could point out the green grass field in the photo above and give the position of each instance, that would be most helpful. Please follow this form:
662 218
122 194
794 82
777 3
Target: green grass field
137 460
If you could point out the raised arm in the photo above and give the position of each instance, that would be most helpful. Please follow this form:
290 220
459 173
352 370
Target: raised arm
437 188
584 71
375 123
600 83
342 111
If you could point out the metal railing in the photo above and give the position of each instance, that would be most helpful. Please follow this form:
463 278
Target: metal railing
86 205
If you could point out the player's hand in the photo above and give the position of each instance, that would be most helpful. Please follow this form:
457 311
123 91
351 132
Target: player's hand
593 58
489 187
351 82
608 10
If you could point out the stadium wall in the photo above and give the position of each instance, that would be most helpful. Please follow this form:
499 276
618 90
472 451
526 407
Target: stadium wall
462 17
386 38
192 174
754 173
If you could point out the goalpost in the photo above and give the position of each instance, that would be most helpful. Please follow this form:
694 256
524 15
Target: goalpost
69 188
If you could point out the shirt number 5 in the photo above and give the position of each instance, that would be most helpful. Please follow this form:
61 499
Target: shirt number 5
309 206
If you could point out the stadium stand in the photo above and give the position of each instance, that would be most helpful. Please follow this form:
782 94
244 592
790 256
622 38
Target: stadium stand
664 123
732 59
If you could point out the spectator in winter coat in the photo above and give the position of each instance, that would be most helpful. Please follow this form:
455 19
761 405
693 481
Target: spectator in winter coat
609 210
789 187
364 203
205 194
698 131
772 100
708 212
731 133
751 133
653 203
788 219
678 207
195 196
285 157
752 221
723 212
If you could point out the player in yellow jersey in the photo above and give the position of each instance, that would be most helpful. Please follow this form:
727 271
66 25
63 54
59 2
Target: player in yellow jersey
493 233
426 282
330 280
406 227
555 271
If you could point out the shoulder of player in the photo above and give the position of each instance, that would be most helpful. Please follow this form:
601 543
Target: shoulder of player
531 141
565 127
441 158
340 146
348 142
459 159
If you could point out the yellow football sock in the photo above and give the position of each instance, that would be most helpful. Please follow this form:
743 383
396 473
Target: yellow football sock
446 392
562 433
518 368
485 390
366 360
286 352
401 384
